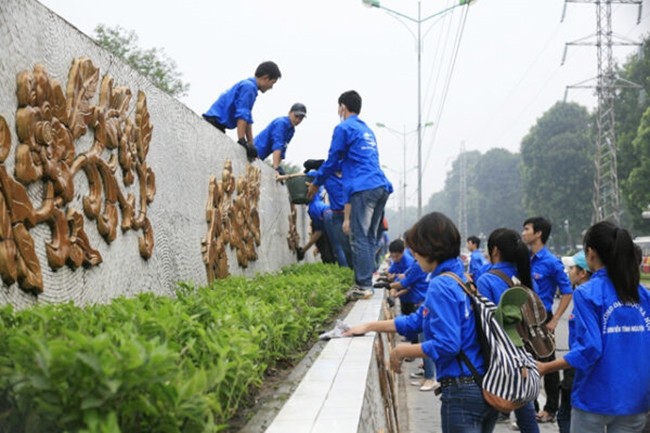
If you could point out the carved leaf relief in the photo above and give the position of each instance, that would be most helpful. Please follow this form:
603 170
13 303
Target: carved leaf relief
48 122
232 220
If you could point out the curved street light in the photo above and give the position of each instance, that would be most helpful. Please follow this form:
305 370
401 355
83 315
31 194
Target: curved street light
419 20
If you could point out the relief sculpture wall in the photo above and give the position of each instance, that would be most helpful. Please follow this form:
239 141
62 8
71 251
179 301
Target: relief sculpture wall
104 178
49 122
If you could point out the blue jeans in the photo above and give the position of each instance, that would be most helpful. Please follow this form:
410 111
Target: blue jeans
526 420
341 241
463 410
582 421
429 365
365 216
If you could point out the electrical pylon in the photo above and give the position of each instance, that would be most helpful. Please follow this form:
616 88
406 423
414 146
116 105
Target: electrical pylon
606 204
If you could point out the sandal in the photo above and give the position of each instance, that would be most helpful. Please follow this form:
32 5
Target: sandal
545 417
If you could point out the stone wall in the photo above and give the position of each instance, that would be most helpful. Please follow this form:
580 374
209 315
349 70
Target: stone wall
105 180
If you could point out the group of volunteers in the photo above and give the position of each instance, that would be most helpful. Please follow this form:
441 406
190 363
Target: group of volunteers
606 379
351 174
606 384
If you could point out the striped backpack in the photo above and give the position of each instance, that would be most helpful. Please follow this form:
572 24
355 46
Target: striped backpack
512 378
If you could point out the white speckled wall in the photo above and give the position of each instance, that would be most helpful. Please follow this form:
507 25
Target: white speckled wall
184 152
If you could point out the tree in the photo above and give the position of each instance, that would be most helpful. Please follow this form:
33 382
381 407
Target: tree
558 170
630 105
153 63
498 191
638 182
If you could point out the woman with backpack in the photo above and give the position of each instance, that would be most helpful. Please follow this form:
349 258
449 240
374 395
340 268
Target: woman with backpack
447 315
510 261
611 344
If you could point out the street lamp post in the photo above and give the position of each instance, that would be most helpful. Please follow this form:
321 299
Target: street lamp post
419 20
403 135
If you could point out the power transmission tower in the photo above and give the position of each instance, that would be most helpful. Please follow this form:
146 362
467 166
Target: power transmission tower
462 199
606 205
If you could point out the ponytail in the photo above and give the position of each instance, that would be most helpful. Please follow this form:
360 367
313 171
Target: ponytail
512 250
615 248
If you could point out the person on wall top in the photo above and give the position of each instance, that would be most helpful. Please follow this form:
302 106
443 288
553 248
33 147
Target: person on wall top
233 109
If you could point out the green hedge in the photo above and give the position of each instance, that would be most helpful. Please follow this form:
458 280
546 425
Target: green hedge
156 364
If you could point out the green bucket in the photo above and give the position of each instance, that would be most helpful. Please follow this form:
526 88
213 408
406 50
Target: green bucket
298 188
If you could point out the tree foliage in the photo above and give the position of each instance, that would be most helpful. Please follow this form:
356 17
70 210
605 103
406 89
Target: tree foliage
637 184
498 191
153 63
558 170
633 145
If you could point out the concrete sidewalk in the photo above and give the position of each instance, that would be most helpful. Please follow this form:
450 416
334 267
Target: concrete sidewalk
423 408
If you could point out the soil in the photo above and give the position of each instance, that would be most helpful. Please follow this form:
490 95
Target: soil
279 383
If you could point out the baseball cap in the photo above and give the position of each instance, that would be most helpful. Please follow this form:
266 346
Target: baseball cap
508 312
299 109
578 259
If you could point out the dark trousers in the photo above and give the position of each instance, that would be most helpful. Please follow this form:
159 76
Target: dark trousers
408 308
215 122
551 383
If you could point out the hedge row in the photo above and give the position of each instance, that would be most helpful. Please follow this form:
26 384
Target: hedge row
157 364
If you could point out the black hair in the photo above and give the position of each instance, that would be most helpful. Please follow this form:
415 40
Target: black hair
615 249
475 240
434 237
352 101
396 246
638 252
540 224
268 68
512 250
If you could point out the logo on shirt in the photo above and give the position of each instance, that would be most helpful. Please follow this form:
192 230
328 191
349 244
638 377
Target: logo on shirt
642 320
370 140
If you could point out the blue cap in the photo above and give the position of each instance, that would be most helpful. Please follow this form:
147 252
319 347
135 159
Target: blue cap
578 259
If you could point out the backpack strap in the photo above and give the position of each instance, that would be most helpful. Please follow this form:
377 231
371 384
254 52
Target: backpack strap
499 273
467 287
470 290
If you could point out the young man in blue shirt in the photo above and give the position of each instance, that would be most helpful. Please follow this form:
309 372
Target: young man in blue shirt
274 139
355 146
476 259
233 109
548 272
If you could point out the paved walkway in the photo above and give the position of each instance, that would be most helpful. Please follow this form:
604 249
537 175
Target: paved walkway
423 408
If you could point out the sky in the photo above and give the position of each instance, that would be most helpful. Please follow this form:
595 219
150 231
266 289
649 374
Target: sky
489 70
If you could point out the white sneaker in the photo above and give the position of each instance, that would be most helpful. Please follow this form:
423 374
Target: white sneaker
429 385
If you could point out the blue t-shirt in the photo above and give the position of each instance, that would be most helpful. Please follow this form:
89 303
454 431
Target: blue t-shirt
355 146
476 263
417 283
235 103
276 136
336 191
548 272
448 324
492 286
315 209
402 265
610 349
